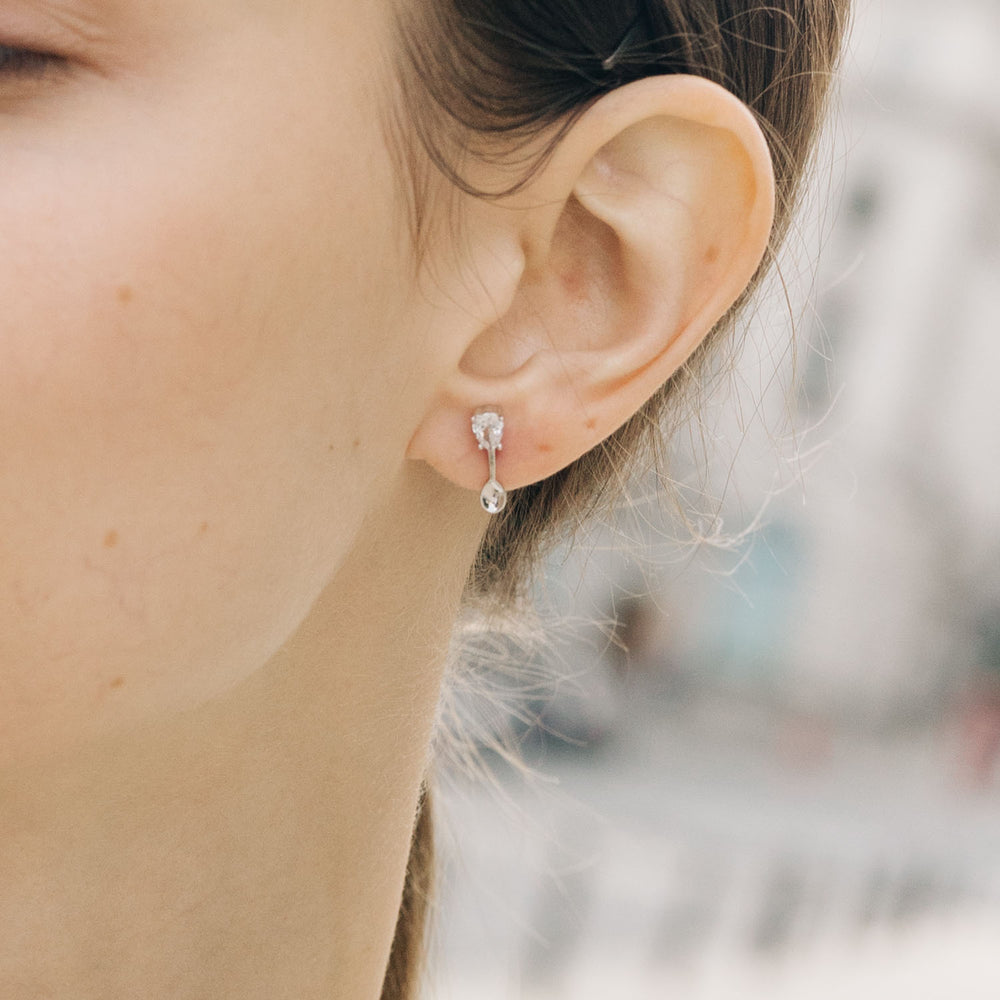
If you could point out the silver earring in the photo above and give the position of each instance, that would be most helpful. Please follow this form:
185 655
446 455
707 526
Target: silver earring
487 425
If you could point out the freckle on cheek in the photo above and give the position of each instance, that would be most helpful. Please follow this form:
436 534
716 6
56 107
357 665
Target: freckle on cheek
111 539
203 530
118 682
712 255
125 294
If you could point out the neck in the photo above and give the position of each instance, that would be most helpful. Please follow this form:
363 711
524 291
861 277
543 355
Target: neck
254 847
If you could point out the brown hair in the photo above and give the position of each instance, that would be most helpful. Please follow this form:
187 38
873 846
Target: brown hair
406 958
490 78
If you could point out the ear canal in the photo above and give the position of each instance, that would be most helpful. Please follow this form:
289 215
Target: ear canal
562 300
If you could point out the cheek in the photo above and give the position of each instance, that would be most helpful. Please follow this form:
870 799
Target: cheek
181 389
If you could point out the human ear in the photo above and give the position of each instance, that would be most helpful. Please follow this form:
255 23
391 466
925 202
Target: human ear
637 235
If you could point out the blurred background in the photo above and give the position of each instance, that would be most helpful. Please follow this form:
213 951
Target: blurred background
758 754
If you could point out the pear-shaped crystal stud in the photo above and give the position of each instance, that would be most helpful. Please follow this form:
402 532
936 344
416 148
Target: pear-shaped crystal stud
487 425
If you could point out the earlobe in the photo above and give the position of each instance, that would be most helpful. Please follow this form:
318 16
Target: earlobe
644 227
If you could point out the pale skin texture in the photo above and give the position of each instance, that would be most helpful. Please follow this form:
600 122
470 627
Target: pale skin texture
238 489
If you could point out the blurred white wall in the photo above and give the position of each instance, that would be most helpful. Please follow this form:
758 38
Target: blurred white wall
902 525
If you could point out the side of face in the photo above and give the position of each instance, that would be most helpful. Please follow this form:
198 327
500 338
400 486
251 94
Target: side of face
201 342
217 351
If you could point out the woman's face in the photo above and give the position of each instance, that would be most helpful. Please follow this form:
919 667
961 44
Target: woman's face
202 356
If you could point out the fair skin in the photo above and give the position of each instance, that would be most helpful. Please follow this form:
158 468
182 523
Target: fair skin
238 491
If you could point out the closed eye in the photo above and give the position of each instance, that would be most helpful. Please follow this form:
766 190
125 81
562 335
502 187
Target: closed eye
18 62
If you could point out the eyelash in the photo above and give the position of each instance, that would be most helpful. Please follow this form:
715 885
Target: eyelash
27 63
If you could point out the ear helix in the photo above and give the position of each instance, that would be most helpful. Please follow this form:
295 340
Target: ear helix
487 425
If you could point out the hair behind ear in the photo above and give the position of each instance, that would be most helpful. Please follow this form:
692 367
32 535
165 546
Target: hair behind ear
406 960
